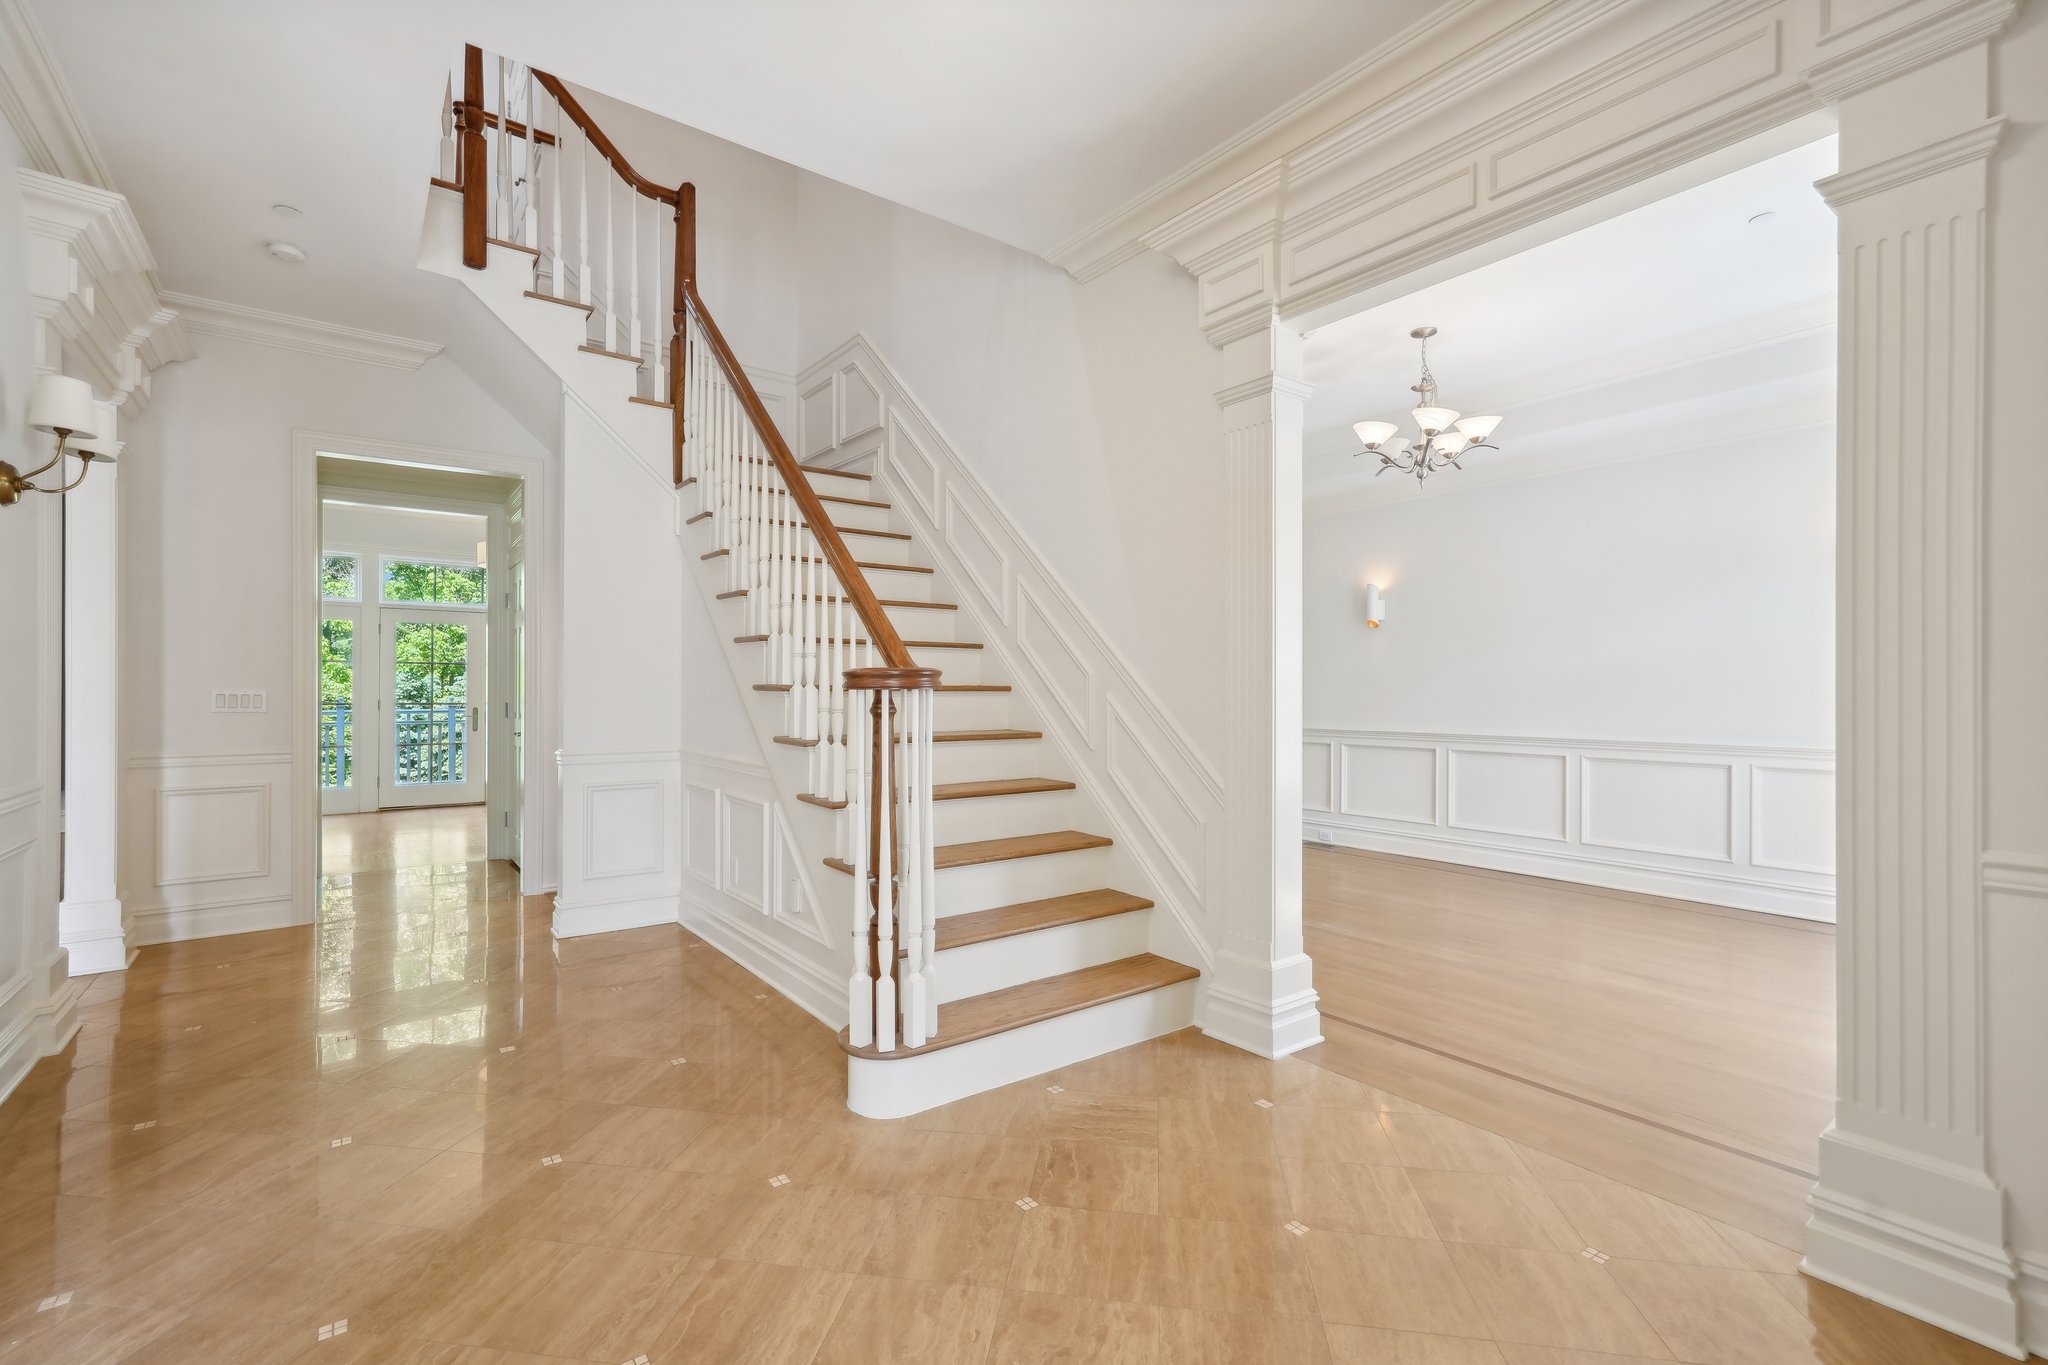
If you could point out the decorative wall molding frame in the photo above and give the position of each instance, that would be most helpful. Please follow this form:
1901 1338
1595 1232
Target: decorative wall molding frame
622 859
205 850
1161 798
747 889
1751 828
288 332
93 281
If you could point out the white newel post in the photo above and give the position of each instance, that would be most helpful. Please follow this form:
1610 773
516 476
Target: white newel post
1261 996
1906 1210
90 923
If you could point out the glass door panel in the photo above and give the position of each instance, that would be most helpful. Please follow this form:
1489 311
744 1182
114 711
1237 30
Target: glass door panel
434 751
340 783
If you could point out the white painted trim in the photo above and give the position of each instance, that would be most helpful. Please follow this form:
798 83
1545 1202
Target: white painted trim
817 991
37 101
599 916
288 332
211 918
1737 878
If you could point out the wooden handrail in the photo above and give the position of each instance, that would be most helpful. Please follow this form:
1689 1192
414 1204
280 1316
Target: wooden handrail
881 630
605 146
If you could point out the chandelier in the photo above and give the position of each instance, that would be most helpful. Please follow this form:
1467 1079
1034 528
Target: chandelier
1445 435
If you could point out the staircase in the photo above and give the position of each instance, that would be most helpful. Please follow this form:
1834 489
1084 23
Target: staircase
988 934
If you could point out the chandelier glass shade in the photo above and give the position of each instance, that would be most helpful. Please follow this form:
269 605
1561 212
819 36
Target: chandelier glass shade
1445 434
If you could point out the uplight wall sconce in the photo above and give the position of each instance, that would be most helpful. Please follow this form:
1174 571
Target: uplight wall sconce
1375 606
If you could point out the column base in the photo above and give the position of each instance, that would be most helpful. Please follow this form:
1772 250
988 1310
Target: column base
96 935
1273 1021
1915 1233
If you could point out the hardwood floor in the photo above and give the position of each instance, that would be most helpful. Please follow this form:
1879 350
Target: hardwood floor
423 1131
1665 1042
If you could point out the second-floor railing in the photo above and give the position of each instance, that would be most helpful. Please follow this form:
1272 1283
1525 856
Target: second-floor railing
537 175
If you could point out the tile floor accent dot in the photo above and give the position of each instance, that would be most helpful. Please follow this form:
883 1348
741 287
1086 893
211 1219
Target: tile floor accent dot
341 1142
1263 1104
1596 1257
146 1123
678 1061
636 1360
509 1047
1055 1090
330 1330
778 1180
1297 1227
551 1161
54 1301
1027 1203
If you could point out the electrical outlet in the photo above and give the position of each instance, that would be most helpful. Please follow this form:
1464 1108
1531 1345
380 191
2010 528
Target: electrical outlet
1322 836
240 700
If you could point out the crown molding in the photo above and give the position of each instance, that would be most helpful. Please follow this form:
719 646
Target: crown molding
285 331
1916 44
38 103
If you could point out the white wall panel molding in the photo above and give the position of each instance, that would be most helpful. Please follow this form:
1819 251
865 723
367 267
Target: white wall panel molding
1664 818
622 862
205 848
747 888
1162 801
286 331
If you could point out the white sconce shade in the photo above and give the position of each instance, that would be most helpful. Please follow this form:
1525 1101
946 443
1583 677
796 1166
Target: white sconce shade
1375 606
101 444
1372 434
1433 420
62 404
1478 428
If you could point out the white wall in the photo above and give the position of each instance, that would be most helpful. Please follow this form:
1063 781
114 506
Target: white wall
35 1001
1623 674
206 577
348 527
1087 410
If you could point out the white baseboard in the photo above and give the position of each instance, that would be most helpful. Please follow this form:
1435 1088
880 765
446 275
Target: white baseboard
96 936
42 1031
1933 1248
176 924
2033 1288
816 992
1675 885
606 917
1269 1028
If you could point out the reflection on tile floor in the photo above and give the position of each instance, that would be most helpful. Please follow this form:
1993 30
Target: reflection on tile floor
423 1131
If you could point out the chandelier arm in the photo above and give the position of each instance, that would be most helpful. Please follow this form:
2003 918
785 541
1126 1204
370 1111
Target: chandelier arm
52 462
84 464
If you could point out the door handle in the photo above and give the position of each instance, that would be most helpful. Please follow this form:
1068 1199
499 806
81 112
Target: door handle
472 720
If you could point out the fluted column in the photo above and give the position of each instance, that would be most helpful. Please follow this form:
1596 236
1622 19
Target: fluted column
1261 996
1906 1210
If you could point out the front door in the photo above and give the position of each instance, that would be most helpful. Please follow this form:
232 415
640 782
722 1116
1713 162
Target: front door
432 713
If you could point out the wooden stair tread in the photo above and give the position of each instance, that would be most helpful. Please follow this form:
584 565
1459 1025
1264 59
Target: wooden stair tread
500 241
853 502
957 791
1007 921
588 349
910 644
884 601
652 403
858 564
943 736
998 786
853 530
566 303
979 851
819 469
982 1016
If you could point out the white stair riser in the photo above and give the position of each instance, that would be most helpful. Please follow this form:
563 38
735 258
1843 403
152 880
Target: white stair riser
978 711
999 817
878 549
1004 962
954 665
840 486
896 1087
924 623
984 886
846 516
981 759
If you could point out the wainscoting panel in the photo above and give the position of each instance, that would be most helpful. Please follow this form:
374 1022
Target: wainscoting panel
1751 828
747 891
1160 799
622 861
212 851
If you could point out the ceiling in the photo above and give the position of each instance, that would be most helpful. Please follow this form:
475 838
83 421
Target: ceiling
1677 323
1023 119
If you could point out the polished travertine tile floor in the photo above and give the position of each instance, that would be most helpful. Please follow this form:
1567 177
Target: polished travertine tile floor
423 1132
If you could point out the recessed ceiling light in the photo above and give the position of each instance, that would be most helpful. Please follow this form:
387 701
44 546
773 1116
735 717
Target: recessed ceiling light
1765 216
286 251
286 211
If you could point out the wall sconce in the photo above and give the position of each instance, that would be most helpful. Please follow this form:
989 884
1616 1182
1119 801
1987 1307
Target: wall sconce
1375 606
64 408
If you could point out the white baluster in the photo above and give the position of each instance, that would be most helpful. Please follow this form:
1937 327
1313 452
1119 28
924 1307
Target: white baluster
506 227
450 162
860 989
532 164
928 859
912 899
884 817
611 255
556 285
633 272
583 218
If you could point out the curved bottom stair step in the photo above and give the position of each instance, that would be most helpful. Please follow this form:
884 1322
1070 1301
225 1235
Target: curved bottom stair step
1015 1007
